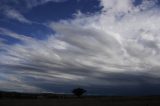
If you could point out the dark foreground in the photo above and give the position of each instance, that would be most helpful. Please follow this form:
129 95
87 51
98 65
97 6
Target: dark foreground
14 99
89 101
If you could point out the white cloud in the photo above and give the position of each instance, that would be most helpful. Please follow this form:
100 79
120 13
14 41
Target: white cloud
15 10
15 15
33 3
117 6
23 38
123 39
23 4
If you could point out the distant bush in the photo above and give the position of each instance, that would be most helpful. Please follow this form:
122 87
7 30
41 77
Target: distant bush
78 91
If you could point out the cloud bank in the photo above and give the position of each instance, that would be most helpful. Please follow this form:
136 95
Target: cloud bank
119 46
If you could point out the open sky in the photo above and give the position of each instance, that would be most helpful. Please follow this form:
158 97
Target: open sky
108 47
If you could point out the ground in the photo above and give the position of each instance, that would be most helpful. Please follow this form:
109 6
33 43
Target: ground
83 101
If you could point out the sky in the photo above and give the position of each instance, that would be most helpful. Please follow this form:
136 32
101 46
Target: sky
108 47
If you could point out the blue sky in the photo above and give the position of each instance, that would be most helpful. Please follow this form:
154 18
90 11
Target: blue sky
40 14
108 47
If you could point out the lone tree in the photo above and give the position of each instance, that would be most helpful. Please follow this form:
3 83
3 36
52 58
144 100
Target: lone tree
78 91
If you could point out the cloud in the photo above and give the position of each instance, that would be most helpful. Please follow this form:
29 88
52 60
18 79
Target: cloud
15 81
14 9
24 4
16 15
34 3
6 32
119 46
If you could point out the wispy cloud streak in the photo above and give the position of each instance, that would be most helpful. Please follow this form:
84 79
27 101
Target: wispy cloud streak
15 15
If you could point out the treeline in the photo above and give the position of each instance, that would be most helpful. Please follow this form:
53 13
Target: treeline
16 95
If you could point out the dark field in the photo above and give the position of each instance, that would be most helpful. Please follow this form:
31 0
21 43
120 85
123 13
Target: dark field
85 101
17 99
80 102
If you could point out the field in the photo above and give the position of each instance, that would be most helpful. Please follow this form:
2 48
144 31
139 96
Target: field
83 101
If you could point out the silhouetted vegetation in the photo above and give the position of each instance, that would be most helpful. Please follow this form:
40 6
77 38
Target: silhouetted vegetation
17 95
78 92
50 99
